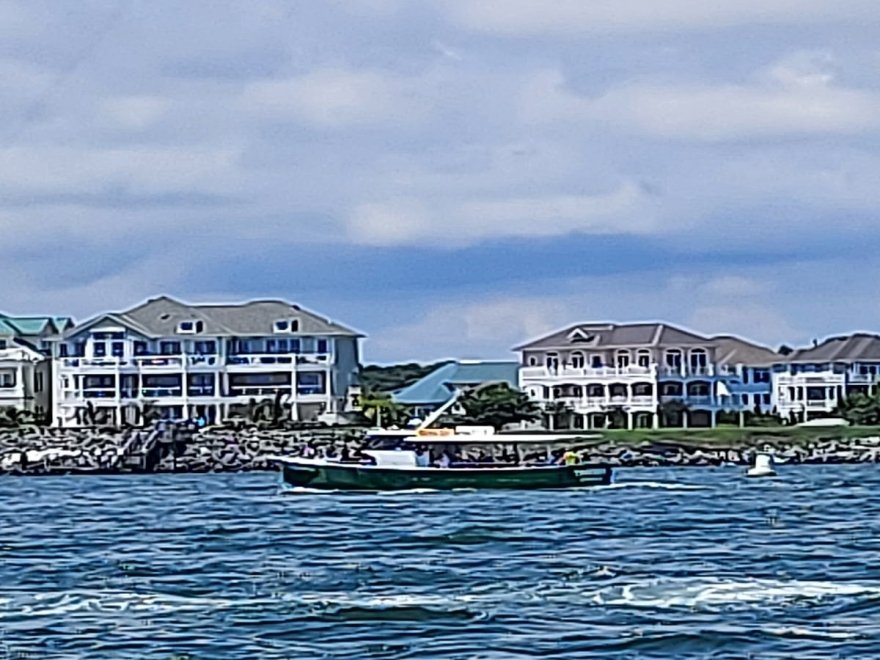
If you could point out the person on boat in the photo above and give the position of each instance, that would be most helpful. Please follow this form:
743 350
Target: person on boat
570 458
423 457
444 461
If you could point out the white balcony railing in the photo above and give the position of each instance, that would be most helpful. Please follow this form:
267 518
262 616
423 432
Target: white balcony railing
587 372
258 390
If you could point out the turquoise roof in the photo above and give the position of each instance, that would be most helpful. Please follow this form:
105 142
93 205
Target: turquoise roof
32 325
436 388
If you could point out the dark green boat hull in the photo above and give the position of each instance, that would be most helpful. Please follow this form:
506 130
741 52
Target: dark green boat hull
371 478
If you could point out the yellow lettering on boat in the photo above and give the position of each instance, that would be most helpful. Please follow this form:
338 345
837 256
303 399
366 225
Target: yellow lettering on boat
435 432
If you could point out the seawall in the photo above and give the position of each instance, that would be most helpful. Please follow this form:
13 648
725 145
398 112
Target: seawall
38 451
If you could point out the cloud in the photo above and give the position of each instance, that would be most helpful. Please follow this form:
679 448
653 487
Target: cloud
135 112
473 329
626 210
336 98
790 102
572 17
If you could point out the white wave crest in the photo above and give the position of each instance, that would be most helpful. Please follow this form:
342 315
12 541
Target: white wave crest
713 592
663 485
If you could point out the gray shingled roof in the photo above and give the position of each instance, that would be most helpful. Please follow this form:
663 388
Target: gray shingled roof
733 350
159 317
847 348
611 335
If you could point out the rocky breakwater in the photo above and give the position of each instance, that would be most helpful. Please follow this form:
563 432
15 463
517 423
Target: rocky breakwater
164 448
670 454
179 448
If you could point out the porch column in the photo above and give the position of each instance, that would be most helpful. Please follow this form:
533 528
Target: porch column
655 420
629 418
714 418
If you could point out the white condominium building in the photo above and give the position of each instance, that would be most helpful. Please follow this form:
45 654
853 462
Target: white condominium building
204 361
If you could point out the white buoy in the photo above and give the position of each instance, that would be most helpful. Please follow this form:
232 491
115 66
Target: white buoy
763 467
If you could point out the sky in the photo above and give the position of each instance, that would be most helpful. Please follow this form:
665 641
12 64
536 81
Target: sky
452 178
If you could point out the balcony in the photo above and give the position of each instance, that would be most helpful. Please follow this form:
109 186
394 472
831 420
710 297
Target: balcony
598 403
159 361
858 377
261 360
258 390
313 358
306 390
693 371
99 393
203 360
161 392
586 372
93 362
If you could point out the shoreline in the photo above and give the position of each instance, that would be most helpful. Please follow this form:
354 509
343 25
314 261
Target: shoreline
179 450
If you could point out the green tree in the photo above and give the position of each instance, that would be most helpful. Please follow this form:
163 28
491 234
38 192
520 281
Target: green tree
860 409
382 410
673 413
13 417
558 415
497 405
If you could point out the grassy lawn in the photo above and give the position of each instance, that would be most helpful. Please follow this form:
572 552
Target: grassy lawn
733 436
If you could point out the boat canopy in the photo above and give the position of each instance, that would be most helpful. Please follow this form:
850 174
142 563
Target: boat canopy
497 439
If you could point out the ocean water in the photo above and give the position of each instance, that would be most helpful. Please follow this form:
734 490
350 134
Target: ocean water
665 563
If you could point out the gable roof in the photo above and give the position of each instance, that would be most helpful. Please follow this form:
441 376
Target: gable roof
613 335
845 348
160 317
438 386
734 350
33 326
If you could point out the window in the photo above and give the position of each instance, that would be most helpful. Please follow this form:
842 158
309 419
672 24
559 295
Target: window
552 361
596 361
117 349
761 375
140 348
62 351
271 346
698 359
287 325
3 344
577 360
7 379
205 347
322 346
310 383
766 398
99 349
644 359
295 346
38 381
673 359
169 348
190 327
622 359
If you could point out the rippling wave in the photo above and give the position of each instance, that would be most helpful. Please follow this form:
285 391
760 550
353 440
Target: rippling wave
663 563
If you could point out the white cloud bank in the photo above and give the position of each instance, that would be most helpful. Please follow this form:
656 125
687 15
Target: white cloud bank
626 210
530 17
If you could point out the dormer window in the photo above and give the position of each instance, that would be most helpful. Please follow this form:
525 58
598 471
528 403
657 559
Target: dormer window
581 336
190 327
287 325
